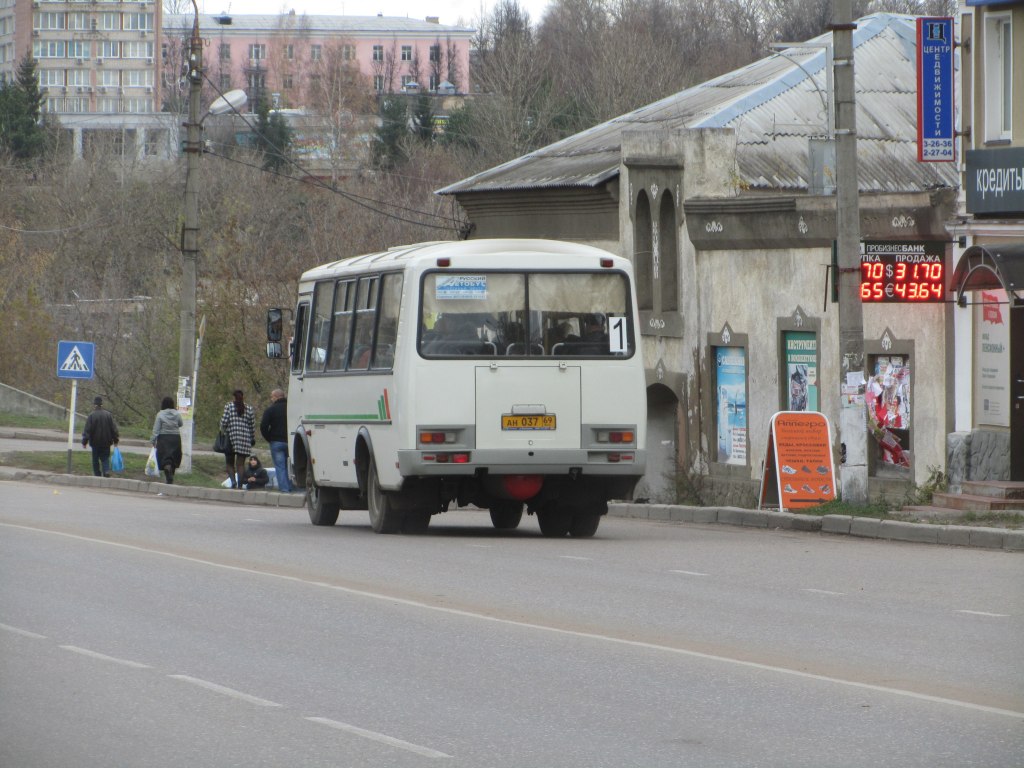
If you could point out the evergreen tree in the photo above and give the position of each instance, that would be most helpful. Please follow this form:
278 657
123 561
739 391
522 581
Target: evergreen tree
21 131
273 137
387 144
423 118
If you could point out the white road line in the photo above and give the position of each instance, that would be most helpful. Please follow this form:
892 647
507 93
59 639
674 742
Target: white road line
23 632
226 691
374 736
104 657
574 557
689 573
393 600
986 613
823 592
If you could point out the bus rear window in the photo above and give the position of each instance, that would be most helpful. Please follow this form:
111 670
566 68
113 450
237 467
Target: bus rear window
516 314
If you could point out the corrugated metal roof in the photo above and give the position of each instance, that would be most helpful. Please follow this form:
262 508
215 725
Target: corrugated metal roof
774 106
365 25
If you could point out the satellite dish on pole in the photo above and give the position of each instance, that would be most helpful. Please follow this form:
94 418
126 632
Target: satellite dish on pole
231 101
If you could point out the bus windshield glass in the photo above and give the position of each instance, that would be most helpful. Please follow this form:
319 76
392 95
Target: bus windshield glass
525 314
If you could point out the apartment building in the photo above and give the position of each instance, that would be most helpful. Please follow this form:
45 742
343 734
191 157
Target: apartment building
96 61
288 58
989 279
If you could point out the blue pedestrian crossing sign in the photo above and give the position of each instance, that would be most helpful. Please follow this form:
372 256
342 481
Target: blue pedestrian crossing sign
74 359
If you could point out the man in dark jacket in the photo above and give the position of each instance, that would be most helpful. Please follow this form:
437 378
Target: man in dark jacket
100 432
274 428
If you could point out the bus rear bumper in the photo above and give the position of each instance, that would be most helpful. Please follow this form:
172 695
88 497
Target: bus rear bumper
619 463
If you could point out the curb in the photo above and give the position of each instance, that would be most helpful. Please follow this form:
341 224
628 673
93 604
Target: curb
841 525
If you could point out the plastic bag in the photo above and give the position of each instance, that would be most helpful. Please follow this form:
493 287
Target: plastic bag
152 470
116 460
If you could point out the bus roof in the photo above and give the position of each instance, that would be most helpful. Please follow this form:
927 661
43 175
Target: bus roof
474 253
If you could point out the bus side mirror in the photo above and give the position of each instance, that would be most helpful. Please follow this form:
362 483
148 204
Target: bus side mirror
275 327
275 351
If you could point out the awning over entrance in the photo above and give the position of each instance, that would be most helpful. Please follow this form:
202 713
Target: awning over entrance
991 266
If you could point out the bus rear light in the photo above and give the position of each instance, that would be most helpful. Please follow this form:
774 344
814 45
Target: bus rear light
616 436
615 458
437 438
605 262
460 458
446 458
444 261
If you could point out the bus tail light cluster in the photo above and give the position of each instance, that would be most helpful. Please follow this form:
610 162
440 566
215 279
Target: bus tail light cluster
460 457
432 437
616 436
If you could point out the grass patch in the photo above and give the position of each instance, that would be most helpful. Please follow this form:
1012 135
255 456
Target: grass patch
36 422
880 510
1011 520
207 471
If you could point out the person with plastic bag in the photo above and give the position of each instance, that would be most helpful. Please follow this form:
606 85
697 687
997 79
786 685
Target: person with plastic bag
167 440
238 423
255 477
100 433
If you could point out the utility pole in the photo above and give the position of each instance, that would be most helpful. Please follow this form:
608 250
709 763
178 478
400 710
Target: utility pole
853 472
190 241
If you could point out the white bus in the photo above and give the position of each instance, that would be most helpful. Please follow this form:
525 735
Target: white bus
492 373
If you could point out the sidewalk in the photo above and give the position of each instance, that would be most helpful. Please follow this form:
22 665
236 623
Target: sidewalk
846 525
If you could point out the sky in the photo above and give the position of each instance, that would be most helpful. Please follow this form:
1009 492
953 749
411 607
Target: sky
449 11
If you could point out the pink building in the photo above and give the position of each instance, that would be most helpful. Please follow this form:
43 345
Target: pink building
286 58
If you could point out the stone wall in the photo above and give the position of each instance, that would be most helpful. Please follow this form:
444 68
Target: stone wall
24 404
980 454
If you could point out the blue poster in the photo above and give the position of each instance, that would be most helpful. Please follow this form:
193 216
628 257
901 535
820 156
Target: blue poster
731 404
935 108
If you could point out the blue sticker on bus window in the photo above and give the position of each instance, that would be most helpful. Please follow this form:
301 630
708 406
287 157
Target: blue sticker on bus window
462 287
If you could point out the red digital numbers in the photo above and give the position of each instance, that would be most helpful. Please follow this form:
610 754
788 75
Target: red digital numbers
888 277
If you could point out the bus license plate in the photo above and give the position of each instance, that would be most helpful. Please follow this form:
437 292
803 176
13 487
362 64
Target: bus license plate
544 421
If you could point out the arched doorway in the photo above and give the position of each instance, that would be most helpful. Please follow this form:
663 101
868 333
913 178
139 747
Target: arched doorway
989 280
658 484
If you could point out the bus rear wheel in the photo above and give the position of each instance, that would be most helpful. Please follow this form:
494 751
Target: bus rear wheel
322 503
554 523
384 518
584 525
506 514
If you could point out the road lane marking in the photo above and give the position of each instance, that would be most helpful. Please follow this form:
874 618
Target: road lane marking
689 573
379 737
393 600
823 592
24 632
104 657
226 691
574 557
986 613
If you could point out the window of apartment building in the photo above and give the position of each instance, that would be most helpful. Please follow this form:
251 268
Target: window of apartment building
138 77
287 82
998 76
289 52
224 52
257 51
408 81
224 82
257 81
434 82
110 22
78 77
48 49
315 52
348 52
50 78
110 78
138 21
79 21
109 104
435 53
142 49
378 53
137 105
406 53
378 83
47 20
79 49
109 49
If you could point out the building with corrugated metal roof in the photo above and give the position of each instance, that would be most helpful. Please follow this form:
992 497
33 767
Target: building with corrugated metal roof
723 196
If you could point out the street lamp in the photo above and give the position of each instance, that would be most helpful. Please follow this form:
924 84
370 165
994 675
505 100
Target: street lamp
190 231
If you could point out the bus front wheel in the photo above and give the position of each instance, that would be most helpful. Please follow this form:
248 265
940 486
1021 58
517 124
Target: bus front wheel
384 518
322 503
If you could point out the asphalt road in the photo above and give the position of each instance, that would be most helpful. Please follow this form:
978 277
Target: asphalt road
142 631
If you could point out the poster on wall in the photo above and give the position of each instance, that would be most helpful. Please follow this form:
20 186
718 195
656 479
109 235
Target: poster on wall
887 398
992 359
731 404
801 370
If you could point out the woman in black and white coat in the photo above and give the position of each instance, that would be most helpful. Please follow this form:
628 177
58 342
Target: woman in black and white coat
239 424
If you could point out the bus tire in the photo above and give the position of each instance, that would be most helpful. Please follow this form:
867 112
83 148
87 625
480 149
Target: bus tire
322 502
554 523
584 525
506 514
384 518
416 521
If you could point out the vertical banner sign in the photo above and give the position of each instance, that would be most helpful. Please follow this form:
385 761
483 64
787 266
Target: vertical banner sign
935 108
798 469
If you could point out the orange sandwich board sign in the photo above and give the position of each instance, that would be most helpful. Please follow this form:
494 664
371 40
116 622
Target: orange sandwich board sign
798 470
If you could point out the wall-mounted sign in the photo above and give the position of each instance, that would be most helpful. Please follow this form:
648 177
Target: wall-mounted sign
898 271
994 180
935 108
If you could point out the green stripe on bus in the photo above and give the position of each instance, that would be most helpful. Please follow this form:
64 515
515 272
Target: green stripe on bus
344 417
